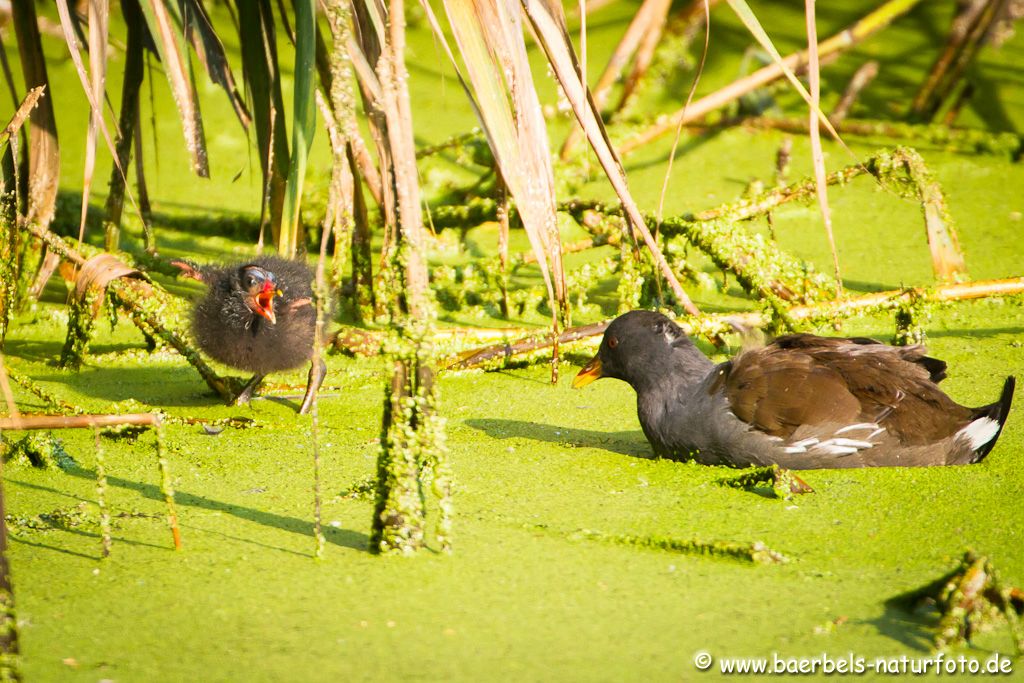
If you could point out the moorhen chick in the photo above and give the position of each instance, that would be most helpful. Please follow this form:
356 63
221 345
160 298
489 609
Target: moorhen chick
258 316
802 401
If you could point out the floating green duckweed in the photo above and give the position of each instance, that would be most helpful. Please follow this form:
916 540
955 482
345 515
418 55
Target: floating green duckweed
81 321
783 483
362 489
65 519
756 552
49 400
166 486
39 449
101 496
412 454
969 599
912 314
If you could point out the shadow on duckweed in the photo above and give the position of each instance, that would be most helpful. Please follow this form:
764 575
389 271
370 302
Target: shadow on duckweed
974 332
340 537
21 537
19 540
907 627
162 385
632 443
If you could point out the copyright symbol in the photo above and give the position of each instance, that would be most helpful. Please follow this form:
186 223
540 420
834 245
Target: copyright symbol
702 660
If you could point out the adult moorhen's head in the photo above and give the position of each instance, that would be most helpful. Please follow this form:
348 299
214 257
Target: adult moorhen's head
637 348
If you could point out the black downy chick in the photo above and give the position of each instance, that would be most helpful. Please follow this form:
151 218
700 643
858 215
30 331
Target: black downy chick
258 316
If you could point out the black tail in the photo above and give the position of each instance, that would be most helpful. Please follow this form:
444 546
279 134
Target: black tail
997 411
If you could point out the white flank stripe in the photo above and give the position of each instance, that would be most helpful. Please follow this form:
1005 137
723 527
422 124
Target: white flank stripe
829 449
979 432
860 425
848 443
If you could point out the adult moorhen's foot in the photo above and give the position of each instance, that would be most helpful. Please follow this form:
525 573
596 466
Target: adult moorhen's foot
317 372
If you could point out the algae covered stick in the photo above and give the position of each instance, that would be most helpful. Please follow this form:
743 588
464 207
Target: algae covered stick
320 295
707 325
165 484
96 421
10 669
101 495
78 421
318 532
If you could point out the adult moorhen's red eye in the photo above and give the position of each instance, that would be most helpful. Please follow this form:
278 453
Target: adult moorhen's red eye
613 342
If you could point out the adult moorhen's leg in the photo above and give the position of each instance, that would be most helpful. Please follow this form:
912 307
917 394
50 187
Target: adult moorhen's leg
317 372
245 395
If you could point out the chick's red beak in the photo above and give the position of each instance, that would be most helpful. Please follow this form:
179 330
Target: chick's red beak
264 302
588 374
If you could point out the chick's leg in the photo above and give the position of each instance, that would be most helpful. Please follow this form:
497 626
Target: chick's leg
317 372
245 395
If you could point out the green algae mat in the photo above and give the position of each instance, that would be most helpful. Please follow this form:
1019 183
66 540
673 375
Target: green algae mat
577 555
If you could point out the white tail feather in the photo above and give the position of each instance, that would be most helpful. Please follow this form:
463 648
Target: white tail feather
979 432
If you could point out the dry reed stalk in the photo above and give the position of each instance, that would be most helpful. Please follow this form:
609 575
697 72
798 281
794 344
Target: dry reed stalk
710 324
870 24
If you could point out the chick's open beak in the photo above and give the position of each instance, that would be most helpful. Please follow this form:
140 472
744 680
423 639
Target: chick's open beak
264 301
588 374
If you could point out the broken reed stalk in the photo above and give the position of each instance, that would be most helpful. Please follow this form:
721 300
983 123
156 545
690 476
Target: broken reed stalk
5 387
127 128
10 666
817 154
318 532
504 202
166 486
860 80
783 482
321 295
645 18
26 107
755 553
709 325
78 421
359 342
953 139
965 39
652 40
886 166
506 350
412 434
131 295
873 22
46 397
95 422
101 495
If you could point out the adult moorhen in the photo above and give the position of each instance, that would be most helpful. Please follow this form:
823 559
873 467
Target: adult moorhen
802 401
258 316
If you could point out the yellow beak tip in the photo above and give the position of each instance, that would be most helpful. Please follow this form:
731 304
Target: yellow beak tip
581 381
588 374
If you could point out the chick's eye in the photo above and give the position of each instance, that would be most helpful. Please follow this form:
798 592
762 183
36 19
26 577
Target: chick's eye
613 342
